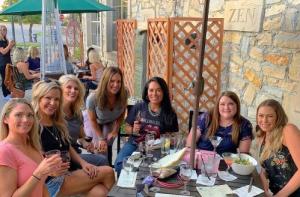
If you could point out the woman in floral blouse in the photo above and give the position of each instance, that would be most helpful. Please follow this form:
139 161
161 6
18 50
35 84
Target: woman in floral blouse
279 148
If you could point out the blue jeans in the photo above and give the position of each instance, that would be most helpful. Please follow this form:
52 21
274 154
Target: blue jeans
95 159
128 148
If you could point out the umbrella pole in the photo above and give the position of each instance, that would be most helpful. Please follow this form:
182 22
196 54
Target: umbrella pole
200 80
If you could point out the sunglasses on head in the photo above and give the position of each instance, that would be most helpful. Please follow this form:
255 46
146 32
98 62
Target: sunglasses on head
47 80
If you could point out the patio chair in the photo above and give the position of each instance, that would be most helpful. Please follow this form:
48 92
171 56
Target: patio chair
121 135
191 118
9 81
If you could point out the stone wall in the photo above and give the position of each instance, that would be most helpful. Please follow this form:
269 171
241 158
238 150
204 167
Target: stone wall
256 65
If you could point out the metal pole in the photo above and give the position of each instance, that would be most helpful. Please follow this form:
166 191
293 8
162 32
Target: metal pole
200 80
12 26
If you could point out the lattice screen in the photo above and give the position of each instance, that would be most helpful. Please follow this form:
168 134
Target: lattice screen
158 48
177 61
126 55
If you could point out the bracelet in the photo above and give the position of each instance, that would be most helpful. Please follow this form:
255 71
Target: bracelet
37 178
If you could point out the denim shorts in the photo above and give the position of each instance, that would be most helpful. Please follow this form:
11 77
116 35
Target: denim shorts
54 185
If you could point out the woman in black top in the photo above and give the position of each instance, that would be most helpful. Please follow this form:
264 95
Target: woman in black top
90 180
5 47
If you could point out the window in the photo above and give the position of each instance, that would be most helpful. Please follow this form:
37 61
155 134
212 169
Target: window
95 25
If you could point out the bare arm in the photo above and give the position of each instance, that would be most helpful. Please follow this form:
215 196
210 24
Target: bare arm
5 50
9 186
291 139
23 68
189 137
245 145
94 124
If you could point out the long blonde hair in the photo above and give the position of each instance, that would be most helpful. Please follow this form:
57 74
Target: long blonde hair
33 136
101 91
276 136
39 90
19 55
33 52
215 117
94 57
76 107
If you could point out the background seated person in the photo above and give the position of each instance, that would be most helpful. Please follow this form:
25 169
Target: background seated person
33 58
153 115
69 65
87 62
224 121
96 69
73 94
22 76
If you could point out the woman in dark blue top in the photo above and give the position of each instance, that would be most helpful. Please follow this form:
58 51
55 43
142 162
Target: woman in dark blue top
224 121
33 58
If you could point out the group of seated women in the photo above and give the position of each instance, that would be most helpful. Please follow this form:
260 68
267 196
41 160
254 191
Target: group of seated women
55 121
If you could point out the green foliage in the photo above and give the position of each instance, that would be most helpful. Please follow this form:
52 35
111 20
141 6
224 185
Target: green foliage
28 44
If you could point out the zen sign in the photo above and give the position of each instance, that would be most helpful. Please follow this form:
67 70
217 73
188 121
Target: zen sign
243 15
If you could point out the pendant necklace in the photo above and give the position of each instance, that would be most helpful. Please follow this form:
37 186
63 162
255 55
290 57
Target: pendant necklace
55 135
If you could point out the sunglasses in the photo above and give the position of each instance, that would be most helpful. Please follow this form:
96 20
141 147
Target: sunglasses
47 80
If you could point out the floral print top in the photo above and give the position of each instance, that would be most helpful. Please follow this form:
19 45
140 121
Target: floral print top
280 168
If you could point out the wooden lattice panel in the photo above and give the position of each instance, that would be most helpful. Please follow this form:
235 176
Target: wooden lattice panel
158 48
184 54
126 55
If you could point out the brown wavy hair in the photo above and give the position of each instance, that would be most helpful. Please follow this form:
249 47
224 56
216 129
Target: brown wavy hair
214 117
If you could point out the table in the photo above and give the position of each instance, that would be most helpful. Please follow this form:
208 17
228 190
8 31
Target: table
143 172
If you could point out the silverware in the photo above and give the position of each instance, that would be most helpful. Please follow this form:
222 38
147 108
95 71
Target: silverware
250 185
204 168
239 153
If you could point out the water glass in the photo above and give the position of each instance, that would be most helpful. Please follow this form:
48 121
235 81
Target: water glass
65 156
127 164
165 142
49 153
155 171
185 175
173 143
149 139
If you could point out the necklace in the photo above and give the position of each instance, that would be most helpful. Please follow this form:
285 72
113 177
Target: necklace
54 134
154 113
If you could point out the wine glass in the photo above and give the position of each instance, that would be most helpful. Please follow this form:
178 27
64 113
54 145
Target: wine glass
127 164
155 170
228 158
215 141
185 175
137 121
65 156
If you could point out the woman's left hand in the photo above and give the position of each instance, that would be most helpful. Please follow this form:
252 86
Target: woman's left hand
90 170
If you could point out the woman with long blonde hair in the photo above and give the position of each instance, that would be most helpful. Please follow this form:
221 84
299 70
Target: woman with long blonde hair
224 121
106 108
33 58
20 156
278 148
73 94
47 100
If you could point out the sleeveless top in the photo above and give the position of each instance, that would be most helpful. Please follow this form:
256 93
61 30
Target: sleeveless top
21 82
99 73
280 168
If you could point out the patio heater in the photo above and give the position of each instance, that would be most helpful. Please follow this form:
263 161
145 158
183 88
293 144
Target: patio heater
52 54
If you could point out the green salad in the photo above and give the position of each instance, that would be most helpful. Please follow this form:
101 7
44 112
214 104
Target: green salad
243 161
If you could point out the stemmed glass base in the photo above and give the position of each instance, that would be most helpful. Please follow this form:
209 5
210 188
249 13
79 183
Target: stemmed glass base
185 193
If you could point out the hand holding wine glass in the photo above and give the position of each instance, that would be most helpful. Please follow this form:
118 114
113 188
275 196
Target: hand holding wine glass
137 124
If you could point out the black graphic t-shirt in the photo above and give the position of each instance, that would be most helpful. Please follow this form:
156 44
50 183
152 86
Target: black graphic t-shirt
150 122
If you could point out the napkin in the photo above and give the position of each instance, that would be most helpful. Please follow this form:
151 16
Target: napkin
136 163
243 191
167 195
194 175
214 191
127 179
203 180
225 176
